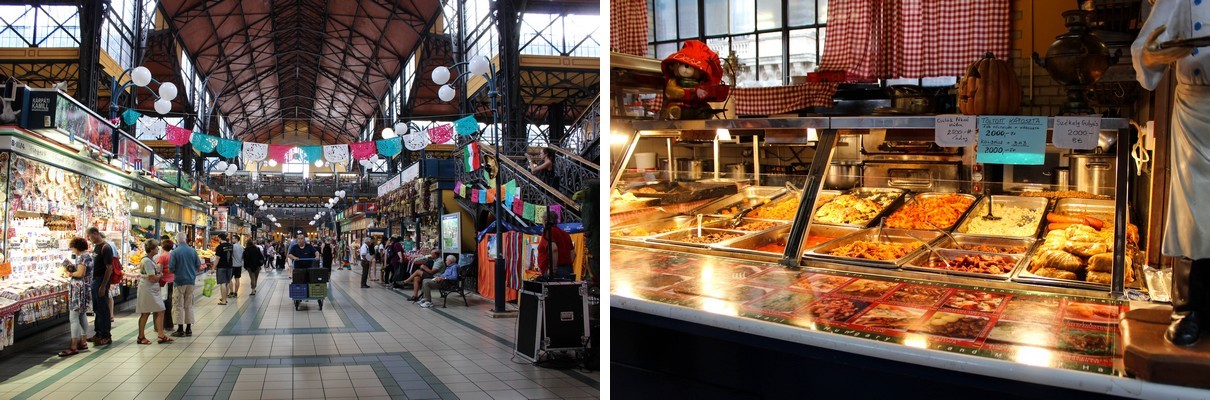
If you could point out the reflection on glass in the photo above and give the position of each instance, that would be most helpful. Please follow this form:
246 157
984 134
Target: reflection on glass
915 340
1033 356
718 306
624 289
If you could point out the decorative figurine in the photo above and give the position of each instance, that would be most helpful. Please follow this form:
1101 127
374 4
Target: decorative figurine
1187 230
694 75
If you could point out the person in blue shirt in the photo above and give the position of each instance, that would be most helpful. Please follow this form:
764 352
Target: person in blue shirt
304 254
448 273
184 263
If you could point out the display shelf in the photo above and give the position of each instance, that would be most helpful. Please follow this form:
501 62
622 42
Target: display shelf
753 123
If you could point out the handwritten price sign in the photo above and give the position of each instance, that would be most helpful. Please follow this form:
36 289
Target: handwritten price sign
1012 140
1080 133
955 130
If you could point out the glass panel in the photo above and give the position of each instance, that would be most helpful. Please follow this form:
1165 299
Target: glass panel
803 57
745 49
664 50
768 14
743 16
771 73
687 17
822 12
716 22
665 19
802 12
722 46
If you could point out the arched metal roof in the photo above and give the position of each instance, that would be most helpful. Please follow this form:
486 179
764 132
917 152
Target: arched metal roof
318 66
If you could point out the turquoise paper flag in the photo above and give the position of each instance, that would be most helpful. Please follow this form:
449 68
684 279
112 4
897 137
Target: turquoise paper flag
389 147
482 197
466 126
130 117
203 143
312 153
229 148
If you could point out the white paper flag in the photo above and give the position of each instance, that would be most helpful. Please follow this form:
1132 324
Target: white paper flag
255 152
416 141
336 153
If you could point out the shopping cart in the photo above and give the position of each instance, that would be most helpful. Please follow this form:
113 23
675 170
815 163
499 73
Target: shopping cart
309 284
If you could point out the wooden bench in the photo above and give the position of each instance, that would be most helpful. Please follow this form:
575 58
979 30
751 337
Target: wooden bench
448 287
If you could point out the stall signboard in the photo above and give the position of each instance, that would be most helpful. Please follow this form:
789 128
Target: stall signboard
955 130
1076 132
1015 140
451 233
389 186
135 155
38 108
76 120
39 152
409 174
220 218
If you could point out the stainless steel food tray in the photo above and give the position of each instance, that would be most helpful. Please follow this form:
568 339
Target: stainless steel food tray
910 198
675 238
864 192
748 244
1086 206
725 223
920 262
998 201
1024 276
737 199
964 239
890 235
678 223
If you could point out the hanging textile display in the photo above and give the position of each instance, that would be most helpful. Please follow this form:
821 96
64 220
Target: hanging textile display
203 143
178 136
255 152
491 196
278 152
529 211
466 126
312 153
130 117
363 150
336 153
558 210
539 214
458 187
441 134
471 156
416 141
518 206
511 244
389 147
228 148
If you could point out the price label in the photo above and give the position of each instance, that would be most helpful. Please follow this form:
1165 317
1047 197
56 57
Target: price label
955 130
1080 133
1012 140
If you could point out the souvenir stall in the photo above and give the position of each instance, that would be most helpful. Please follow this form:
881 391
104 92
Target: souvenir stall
520 253
415 199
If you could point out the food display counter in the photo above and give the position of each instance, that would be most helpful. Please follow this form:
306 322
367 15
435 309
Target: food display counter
926 249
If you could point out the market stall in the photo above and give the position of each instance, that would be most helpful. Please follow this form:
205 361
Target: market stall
886 235
411 203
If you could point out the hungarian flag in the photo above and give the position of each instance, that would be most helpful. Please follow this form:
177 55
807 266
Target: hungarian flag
472 156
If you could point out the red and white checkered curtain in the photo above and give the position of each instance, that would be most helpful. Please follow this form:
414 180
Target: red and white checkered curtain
912 38
628 27
943 37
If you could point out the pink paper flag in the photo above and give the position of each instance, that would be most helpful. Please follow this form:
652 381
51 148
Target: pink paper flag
441 134
178 136
363 150
277 152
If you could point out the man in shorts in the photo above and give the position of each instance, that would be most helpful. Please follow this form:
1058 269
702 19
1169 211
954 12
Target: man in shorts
224 266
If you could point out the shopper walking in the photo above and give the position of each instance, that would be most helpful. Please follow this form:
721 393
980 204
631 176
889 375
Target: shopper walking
102 272
237 265
396 259
303 254
326 253
79 295
184 263
363 256
253 259
222 267
149 300
380 251
166 280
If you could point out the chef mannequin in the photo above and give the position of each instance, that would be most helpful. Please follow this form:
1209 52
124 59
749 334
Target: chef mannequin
1187 229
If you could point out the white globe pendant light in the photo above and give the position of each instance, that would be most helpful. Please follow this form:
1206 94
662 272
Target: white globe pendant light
272 163
446 93
163 106
319 163
168 91
141 76
400 129
388 133
251 196
441 75
479 65
220 166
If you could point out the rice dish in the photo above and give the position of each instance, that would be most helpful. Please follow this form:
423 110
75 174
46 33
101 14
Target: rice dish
1014 221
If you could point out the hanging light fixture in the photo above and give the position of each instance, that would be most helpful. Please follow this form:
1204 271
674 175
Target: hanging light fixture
220 166
319 163
272 163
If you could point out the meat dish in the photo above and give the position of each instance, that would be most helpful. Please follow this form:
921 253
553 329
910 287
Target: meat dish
756 225
917 294
987 248
889 317
849 209
955 325
836 309
1079 252
974 263
974 301
709 238
1097 313
867 288
1064 194
941 212
871 250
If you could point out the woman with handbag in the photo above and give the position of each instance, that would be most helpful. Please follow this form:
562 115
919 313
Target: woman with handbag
150 301
79 295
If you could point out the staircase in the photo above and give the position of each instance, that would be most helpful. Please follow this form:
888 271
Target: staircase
575 164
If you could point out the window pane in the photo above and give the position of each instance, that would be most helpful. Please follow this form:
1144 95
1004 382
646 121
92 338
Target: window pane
768 14
687 17
770 53
664 50
743 16
716 22
722 46
665 19
803 57
823 11
745 50
802 12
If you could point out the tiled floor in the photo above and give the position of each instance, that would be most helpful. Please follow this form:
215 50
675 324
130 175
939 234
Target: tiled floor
365 343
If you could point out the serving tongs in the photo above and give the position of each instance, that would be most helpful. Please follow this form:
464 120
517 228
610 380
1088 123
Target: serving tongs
943 232
990 204
929 247
738 218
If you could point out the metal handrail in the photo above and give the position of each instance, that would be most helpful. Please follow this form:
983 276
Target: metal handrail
533 180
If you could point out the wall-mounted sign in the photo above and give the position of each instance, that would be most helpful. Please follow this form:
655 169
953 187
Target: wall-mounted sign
1012 140
451 233
75 120
38 108
955 130
1080 133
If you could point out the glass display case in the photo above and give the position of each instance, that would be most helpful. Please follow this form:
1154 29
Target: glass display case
866 227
